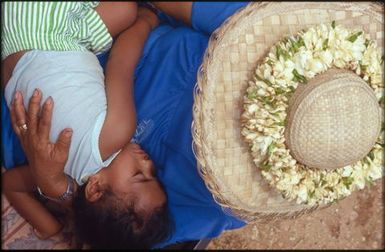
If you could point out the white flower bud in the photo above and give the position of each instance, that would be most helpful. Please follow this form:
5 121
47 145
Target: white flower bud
347 171
316 66
252 108
326 57
302 193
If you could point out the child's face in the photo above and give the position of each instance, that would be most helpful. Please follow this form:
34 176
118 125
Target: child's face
132 173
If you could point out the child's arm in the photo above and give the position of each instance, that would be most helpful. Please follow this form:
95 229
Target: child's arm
18 186
120 122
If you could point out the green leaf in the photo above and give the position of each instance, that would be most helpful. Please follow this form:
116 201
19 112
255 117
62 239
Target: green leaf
275 114
363 67
371 155
369 181
265 167
296 44
270 62
292 89
333 24
301 42
264 80
382 99
381 144
270 148
325 44
252 95
281 123
347 181
281 52
321 179
266 101
279 91
367 41
298 78
354 36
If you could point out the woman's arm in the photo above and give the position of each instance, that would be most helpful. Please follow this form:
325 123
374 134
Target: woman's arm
178 10
46 159
46 163
120 122
18 186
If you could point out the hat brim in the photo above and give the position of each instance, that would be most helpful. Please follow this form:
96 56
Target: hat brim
231 58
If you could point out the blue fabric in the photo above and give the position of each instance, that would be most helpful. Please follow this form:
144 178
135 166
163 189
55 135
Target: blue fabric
165 78
164 84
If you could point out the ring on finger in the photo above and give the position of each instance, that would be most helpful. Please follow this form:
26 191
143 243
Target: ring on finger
23 127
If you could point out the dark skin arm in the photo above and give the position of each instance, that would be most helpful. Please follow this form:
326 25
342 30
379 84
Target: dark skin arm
120 123
18 186
177 10
46 161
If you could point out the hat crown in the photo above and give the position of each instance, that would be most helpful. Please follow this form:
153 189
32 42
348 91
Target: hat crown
333 121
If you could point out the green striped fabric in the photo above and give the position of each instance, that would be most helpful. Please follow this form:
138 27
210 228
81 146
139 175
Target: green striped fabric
57 26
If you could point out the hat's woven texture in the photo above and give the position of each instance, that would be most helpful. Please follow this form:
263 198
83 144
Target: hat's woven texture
229 63
333 121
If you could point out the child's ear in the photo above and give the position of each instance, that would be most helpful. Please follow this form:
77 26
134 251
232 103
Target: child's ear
94 189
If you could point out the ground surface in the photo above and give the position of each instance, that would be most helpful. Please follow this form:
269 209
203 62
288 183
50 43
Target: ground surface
356 222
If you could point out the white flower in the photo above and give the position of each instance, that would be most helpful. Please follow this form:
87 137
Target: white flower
326 57
323 31
251 136
309 184
341 33
261 92
267 71
358 177
310 74
341 190
376 172
302 194
301 59
316 66
252 108
266 142
332 178
347 170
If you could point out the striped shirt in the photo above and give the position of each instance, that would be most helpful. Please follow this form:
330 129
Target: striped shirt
56 26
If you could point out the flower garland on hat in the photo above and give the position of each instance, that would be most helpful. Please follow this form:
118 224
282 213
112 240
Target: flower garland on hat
294 61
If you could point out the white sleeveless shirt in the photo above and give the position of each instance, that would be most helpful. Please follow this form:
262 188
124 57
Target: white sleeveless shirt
75 81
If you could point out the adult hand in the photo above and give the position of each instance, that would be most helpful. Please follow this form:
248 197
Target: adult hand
149 16
46 159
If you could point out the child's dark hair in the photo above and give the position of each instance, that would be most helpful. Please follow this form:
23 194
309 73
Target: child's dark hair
110 224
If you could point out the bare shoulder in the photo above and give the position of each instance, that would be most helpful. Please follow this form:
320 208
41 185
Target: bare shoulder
117 16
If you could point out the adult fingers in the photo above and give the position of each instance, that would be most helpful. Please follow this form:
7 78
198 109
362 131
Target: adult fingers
13 121
33 111
63 143
19 114
45 120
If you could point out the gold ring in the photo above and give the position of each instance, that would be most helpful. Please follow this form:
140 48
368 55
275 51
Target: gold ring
23 127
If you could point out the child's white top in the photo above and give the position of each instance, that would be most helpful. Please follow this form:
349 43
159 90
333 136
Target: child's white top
75 81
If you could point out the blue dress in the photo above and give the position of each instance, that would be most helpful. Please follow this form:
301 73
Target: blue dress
164 83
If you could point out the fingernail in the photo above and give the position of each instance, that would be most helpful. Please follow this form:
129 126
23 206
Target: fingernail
17 95
35 93
49 100
68 132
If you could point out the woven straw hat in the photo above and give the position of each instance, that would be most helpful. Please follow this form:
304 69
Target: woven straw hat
234 51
